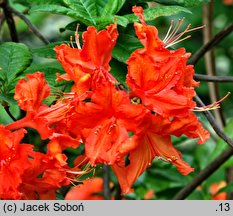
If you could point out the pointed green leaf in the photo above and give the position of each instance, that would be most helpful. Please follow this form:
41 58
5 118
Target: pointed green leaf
102 22
49 69
152 13
7 98
85 7
112 7
118 70
185 3
47 51
100 4
38 2
14 59
79 14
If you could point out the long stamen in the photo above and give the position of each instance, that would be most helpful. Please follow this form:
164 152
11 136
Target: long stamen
168 32
171 44
77 37
212 106
171 38
175 30
196 28
71 41
175 38
87 168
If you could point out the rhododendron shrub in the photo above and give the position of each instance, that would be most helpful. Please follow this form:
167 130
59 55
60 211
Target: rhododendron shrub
125 128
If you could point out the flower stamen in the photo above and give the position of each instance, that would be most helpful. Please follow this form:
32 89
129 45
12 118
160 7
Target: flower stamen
173 38
77 37
215 105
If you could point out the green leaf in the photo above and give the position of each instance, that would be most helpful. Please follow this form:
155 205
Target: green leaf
118 70
85 7
152 13
49 69
78 14
14 59
38 2
112 7
102 22
203 152
221 144
47 50
100 4
121 52
8 98
185 3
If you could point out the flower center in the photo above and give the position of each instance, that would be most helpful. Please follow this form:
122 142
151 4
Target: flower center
136 100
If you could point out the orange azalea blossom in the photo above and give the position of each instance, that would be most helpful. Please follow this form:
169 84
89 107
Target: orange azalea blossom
90 189
125 130
153 141
215 187
30 94
158 76
113 117
102 142
13 162
88 66
173 117
25 174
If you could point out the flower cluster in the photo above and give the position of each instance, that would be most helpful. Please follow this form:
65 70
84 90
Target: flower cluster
125 129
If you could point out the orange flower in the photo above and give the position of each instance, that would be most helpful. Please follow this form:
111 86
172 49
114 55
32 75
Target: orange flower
25 174
147 145
13 162
107 119
155 141
158 76
89 66
112 124
149 194
30 94
215 187
91 189
228 2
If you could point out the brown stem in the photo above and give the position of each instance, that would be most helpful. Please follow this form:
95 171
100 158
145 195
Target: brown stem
30 25
214 165
207 78
214 124
213 42
204 174
210 60
10 20
106 178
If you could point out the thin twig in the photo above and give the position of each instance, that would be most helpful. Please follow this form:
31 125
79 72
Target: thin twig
207 78
214 41
10 20
30 25
208 10
214 165
213 123
106 178
204 174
